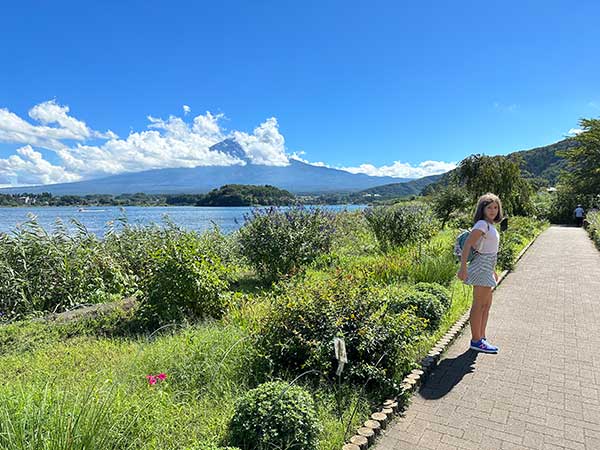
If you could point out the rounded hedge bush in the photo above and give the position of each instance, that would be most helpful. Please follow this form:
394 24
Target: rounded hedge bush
425 304
439 291
275 415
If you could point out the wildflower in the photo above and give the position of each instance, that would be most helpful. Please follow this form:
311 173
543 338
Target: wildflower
151 380
161 376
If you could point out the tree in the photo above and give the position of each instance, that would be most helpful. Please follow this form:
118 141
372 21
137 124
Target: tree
449 200
579 183
583 161
498 174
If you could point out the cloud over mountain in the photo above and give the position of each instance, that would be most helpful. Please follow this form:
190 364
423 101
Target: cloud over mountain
80 152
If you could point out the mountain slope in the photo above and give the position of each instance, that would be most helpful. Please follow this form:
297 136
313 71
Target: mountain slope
298 178
541 165
393 190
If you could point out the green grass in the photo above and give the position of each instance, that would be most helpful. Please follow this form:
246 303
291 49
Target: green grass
82 384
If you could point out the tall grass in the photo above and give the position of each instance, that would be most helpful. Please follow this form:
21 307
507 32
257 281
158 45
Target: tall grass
50 419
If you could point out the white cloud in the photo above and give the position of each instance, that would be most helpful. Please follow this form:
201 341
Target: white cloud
266 145
297 157
403 170
575 131
84 153
49 113
14 129
29 167
171 142
396 170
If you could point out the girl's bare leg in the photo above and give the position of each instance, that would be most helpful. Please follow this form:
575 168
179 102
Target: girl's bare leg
476 314
486 310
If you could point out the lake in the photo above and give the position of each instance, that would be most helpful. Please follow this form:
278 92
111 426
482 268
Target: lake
95 219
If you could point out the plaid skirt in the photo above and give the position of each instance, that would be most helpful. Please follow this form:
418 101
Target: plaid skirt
481 270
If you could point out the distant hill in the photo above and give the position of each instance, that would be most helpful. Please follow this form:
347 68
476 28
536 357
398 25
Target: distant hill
541 165
243 195
297 177
394 190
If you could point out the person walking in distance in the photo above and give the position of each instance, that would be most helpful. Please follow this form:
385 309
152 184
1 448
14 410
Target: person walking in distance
481 271
579 214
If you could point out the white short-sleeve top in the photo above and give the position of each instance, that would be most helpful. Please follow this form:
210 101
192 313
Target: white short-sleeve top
490 241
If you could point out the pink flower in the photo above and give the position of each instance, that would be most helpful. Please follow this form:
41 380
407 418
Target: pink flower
151 379
161 376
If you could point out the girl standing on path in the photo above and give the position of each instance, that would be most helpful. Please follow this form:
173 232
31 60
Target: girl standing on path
481 273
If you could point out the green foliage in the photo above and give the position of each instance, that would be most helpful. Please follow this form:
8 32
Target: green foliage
564 201
298 333
502 176
47 419
593 227
542 165
185 282
434 268
400 224
54 272
227 195
507 253
425 304
43 272
521 230
275 415
449 202
583 161
438 291
281 242
247 195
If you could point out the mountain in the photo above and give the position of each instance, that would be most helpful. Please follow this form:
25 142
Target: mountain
394 190
540 165
543 163
297 177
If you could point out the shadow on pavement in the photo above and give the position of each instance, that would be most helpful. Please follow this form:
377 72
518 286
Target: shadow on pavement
447 374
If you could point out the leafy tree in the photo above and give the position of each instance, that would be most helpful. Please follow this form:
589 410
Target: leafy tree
502 176
583 161
448 201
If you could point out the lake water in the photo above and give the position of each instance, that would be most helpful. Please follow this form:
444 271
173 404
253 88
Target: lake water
95 219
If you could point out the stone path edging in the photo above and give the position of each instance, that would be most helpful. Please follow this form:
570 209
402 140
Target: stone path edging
367 434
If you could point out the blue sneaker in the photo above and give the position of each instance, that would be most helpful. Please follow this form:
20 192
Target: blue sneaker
493 347
482 346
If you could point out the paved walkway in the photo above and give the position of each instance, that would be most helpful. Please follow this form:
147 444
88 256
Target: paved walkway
542 390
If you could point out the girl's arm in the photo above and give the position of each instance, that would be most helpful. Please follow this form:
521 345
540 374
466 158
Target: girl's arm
471 241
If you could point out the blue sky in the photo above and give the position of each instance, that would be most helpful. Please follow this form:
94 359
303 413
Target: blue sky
348 83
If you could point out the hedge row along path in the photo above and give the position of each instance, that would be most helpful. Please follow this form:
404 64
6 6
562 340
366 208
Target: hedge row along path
542 390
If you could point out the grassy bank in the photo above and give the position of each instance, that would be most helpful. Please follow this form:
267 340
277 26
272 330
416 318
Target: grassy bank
215 324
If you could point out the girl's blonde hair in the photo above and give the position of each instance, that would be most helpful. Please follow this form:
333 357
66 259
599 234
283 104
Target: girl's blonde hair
483 202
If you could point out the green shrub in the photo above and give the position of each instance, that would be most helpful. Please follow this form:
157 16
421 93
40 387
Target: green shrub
280 242
298 333
426 306
593 227
462 221
185 282
53 272
439 291
398 225
432 268
275 415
